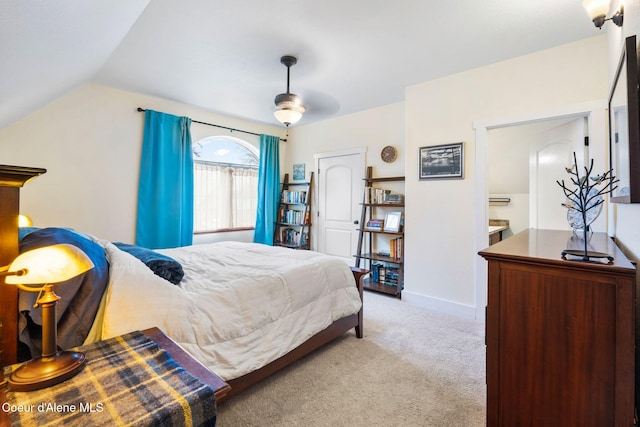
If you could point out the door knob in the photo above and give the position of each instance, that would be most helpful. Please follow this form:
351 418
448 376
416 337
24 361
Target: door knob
356 222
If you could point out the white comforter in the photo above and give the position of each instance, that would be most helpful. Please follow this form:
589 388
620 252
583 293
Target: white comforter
239 306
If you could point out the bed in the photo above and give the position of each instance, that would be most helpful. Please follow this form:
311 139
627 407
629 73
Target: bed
243 310
250 303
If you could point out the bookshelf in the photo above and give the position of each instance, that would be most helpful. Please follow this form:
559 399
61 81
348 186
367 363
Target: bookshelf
381 235
293 222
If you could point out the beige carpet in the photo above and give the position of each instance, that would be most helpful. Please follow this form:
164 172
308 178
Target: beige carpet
413 368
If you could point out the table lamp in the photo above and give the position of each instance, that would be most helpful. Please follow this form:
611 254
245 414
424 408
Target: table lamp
35 271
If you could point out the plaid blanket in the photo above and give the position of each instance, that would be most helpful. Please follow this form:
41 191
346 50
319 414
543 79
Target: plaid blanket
127 380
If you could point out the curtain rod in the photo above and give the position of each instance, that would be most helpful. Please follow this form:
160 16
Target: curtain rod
218 126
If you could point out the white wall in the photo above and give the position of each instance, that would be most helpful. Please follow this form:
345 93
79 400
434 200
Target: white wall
374 129
508 161
440 251
516 211
90 143
508 153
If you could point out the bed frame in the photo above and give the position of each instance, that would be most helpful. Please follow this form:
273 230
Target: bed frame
12 178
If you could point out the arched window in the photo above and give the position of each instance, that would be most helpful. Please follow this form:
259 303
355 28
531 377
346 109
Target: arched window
225 184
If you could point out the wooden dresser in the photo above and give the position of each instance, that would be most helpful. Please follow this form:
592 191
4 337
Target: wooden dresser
560 334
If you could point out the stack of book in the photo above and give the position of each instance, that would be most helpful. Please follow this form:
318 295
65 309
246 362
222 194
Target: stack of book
385 274
294 197
377 271
375 224
394 198
374 195
292 236
292 216
395 248
391 276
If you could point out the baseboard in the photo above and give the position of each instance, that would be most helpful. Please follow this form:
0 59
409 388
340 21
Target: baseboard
449 307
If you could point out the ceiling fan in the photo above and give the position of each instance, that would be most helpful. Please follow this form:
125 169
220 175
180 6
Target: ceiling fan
289 105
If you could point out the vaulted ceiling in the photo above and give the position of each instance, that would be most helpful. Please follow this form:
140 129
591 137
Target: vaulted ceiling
224 55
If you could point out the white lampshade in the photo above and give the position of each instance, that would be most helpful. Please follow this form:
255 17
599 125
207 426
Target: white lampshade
49 264
596 8
24 221
288 116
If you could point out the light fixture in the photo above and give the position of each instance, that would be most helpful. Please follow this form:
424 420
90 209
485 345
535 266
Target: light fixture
290 108
34 271
598 9
24 221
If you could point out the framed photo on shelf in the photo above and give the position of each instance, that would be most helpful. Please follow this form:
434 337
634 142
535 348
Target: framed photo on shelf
392 222
442 161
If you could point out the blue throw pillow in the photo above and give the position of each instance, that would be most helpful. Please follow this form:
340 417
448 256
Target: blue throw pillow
162 265
23 231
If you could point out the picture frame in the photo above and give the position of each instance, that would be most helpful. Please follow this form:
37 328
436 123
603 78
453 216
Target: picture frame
392 222
298 172
444 161
624 126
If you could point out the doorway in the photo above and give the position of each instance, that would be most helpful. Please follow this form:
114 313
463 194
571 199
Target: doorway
524 163
596 114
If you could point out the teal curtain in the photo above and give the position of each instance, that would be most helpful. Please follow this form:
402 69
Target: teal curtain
165 192
268 189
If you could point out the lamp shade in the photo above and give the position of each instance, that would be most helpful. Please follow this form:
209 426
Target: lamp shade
49 264
596 8
288 116
24 221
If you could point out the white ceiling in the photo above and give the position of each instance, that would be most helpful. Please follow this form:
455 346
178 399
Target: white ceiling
224 55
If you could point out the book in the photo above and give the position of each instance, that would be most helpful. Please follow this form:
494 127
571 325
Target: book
293 197
394 198
375 224
374 195
395 248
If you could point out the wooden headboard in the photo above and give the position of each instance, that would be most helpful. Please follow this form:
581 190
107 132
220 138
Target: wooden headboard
12 178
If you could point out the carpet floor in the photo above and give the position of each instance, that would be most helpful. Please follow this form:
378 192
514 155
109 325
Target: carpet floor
414 367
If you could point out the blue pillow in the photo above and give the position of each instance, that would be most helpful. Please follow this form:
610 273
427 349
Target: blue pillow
162 265
23 231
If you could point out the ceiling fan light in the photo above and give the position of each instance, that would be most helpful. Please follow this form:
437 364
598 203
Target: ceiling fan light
289 100
288 116
290 108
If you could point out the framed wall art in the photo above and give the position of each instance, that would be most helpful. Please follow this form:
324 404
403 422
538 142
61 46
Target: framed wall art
442 161
298 171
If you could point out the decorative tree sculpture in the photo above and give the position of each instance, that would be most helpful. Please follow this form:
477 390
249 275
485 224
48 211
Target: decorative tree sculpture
585 203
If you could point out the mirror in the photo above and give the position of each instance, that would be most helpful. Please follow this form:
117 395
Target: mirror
624 126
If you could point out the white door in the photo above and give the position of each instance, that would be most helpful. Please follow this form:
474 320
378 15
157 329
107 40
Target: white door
550 164
340 188
549 159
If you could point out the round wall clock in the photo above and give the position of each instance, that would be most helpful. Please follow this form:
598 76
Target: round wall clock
388 154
